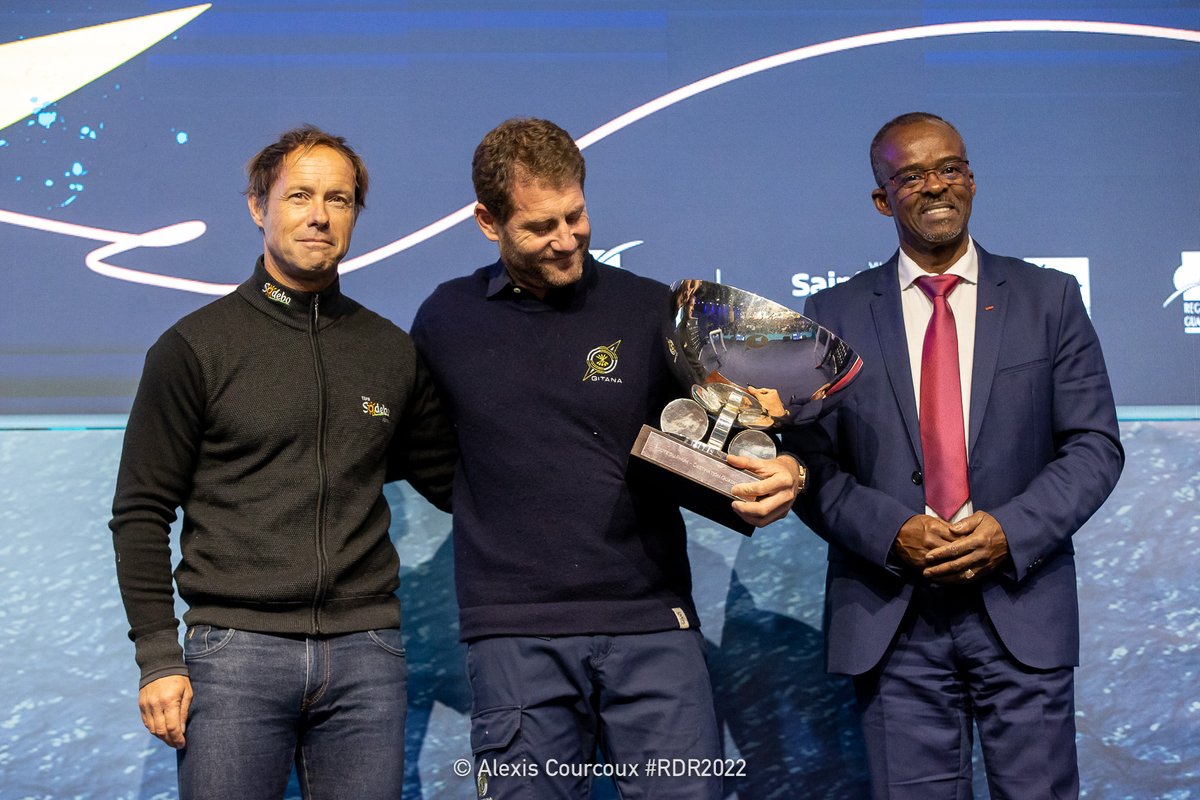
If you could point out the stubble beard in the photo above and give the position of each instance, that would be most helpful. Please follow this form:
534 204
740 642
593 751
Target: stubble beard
943 236
530 271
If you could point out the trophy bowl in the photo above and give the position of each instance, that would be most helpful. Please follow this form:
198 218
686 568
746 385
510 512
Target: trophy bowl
791 368
750 365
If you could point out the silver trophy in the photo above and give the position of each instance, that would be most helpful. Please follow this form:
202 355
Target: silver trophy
750 365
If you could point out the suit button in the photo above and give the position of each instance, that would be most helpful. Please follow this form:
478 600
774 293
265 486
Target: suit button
917 478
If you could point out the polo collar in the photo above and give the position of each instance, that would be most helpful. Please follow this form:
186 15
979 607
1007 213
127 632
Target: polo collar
500 287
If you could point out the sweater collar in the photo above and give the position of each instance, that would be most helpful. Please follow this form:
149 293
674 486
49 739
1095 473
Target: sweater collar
291 306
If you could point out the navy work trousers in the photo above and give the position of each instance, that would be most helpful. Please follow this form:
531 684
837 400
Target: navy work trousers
543 706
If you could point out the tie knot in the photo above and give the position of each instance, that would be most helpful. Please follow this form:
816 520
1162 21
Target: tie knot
937 285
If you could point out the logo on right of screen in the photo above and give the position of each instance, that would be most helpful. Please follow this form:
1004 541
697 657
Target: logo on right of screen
1187 286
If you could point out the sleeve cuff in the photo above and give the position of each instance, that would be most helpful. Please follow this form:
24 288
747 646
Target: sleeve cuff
159 655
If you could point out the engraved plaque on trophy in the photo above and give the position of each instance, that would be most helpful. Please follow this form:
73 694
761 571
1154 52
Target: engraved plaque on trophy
749 365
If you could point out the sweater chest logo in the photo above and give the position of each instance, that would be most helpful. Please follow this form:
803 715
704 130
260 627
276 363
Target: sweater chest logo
601 362
374 408
276 294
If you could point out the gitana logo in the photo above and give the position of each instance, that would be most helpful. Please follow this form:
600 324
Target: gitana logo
601 361
1187 286
375 409
273 292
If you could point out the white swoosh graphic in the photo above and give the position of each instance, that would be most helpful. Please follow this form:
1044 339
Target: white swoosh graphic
37 72
94 260
119 242
1178 292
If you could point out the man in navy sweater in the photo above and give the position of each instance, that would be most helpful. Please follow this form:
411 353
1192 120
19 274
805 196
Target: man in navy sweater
573 581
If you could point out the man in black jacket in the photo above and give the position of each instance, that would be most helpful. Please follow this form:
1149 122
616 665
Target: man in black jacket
273 417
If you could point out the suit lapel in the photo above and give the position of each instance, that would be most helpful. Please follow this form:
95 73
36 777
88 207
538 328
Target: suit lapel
990 311
893 343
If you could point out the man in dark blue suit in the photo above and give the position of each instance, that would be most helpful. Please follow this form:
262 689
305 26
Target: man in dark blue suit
949 504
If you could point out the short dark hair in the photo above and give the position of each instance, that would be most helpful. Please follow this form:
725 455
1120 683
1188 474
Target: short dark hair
523 149
900 121
264 168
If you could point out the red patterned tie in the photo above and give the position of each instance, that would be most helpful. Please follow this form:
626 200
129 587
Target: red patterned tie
942 438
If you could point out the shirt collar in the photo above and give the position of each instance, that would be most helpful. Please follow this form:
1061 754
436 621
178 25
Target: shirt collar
966 268
500 286
498 280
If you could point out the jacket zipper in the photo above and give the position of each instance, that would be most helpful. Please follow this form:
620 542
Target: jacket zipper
322 561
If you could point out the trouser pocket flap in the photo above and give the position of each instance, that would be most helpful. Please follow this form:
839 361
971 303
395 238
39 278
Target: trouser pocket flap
495 728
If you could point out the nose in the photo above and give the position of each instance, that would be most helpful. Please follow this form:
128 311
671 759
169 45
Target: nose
318 215
934 183
564 238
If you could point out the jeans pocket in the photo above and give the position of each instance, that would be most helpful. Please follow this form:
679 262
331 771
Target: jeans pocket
390 639
494 729
204 640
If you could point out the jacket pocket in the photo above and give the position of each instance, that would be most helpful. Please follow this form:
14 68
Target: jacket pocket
1040 362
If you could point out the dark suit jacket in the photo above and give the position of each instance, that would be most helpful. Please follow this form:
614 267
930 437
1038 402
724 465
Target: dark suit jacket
1043 455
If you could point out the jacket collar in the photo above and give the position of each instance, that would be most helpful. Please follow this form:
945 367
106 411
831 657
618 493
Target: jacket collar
290 306
992 301
888 317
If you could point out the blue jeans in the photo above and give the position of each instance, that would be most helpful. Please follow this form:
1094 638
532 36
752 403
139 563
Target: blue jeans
334 705
542 707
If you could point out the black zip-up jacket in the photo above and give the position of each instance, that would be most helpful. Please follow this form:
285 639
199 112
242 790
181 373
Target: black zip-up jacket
272 418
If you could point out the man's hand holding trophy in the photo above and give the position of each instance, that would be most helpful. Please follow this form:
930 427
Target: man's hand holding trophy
750 365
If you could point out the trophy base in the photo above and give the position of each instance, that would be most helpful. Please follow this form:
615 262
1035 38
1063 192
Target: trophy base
694 479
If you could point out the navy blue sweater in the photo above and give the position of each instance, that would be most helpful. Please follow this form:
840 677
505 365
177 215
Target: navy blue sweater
550 536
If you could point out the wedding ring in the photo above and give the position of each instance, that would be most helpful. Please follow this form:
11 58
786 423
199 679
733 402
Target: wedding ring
969 573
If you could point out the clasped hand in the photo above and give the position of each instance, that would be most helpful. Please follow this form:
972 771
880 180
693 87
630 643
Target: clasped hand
957 553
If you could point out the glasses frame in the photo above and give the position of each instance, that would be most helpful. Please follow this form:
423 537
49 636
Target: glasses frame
925 173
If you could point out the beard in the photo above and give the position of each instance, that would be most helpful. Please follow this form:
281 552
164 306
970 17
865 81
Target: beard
537 272
944 235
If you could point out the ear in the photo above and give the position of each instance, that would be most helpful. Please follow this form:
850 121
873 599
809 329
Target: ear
486 222
255 212
879 196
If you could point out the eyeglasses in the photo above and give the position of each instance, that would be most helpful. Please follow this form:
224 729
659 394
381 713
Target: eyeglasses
913 180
